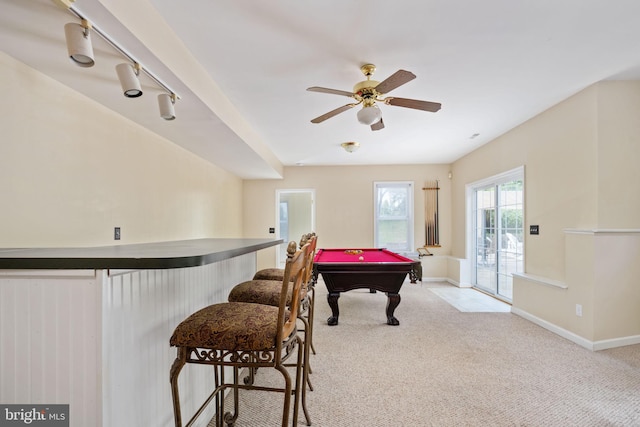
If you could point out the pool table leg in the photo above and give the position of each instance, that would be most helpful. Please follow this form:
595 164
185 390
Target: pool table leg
392 302
332 298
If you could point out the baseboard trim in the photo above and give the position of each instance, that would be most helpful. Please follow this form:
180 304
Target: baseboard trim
616 342
581 341
446 279
435 279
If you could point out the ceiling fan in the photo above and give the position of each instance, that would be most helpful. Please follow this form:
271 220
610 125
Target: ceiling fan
368 92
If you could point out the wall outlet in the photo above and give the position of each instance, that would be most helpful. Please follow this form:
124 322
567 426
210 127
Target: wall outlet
116 233
578 310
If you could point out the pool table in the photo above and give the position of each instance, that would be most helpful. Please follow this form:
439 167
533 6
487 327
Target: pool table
374 269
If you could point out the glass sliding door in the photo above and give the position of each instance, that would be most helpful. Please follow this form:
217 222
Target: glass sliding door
498 233
511 232
485 233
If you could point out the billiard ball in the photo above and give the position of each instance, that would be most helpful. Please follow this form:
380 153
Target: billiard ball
361 258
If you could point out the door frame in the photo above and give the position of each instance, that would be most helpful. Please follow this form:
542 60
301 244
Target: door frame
470 188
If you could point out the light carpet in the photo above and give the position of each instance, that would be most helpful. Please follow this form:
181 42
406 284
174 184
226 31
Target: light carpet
444 367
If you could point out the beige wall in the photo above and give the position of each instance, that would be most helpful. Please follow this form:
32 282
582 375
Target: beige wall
616 294
581 188
71 170
581 171
618 153
558 151
344 203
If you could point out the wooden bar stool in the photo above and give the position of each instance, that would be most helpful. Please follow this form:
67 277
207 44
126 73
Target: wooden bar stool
268 292
277 274
244 335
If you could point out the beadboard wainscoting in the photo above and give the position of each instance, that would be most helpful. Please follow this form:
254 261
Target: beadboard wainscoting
98 340
50 341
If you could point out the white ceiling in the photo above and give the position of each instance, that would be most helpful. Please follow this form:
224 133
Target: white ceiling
241 69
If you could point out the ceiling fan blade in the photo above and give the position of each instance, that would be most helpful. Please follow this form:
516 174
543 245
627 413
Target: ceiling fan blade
414 103
398 78
378 125
332 113
331 91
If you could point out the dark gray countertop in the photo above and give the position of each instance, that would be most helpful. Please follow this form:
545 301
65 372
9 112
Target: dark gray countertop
176 254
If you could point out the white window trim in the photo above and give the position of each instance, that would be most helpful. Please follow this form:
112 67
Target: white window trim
411 220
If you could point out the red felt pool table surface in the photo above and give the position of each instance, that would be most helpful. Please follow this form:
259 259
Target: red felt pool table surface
353 255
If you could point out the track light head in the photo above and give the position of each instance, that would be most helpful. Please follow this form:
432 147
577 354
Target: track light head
166 103
79 43
128 76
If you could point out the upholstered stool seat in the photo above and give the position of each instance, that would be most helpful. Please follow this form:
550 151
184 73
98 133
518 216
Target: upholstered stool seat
229 326
262 292
269 274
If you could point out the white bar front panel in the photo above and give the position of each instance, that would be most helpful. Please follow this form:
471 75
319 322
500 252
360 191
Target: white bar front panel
99 340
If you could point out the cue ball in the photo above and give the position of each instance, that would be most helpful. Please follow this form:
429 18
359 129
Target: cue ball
361 258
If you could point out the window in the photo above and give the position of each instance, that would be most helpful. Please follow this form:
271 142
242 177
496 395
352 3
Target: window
393 220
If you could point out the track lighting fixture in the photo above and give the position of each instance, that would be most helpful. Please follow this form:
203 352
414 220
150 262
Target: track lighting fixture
128 76
166 102
79 43
81 52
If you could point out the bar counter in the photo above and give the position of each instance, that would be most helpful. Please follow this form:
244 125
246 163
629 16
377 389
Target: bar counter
175 254
90 327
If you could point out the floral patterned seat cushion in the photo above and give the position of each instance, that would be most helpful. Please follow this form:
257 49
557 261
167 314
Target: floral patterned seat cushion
270 274
229 326
262 292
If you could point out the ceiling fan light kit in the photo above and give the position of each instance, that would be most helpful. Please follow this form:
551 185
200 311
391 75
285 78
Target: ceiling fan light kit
368 92
369 115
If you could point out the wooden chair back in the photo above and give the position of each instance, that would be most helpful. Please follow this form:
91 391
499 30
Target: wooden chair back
294 272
